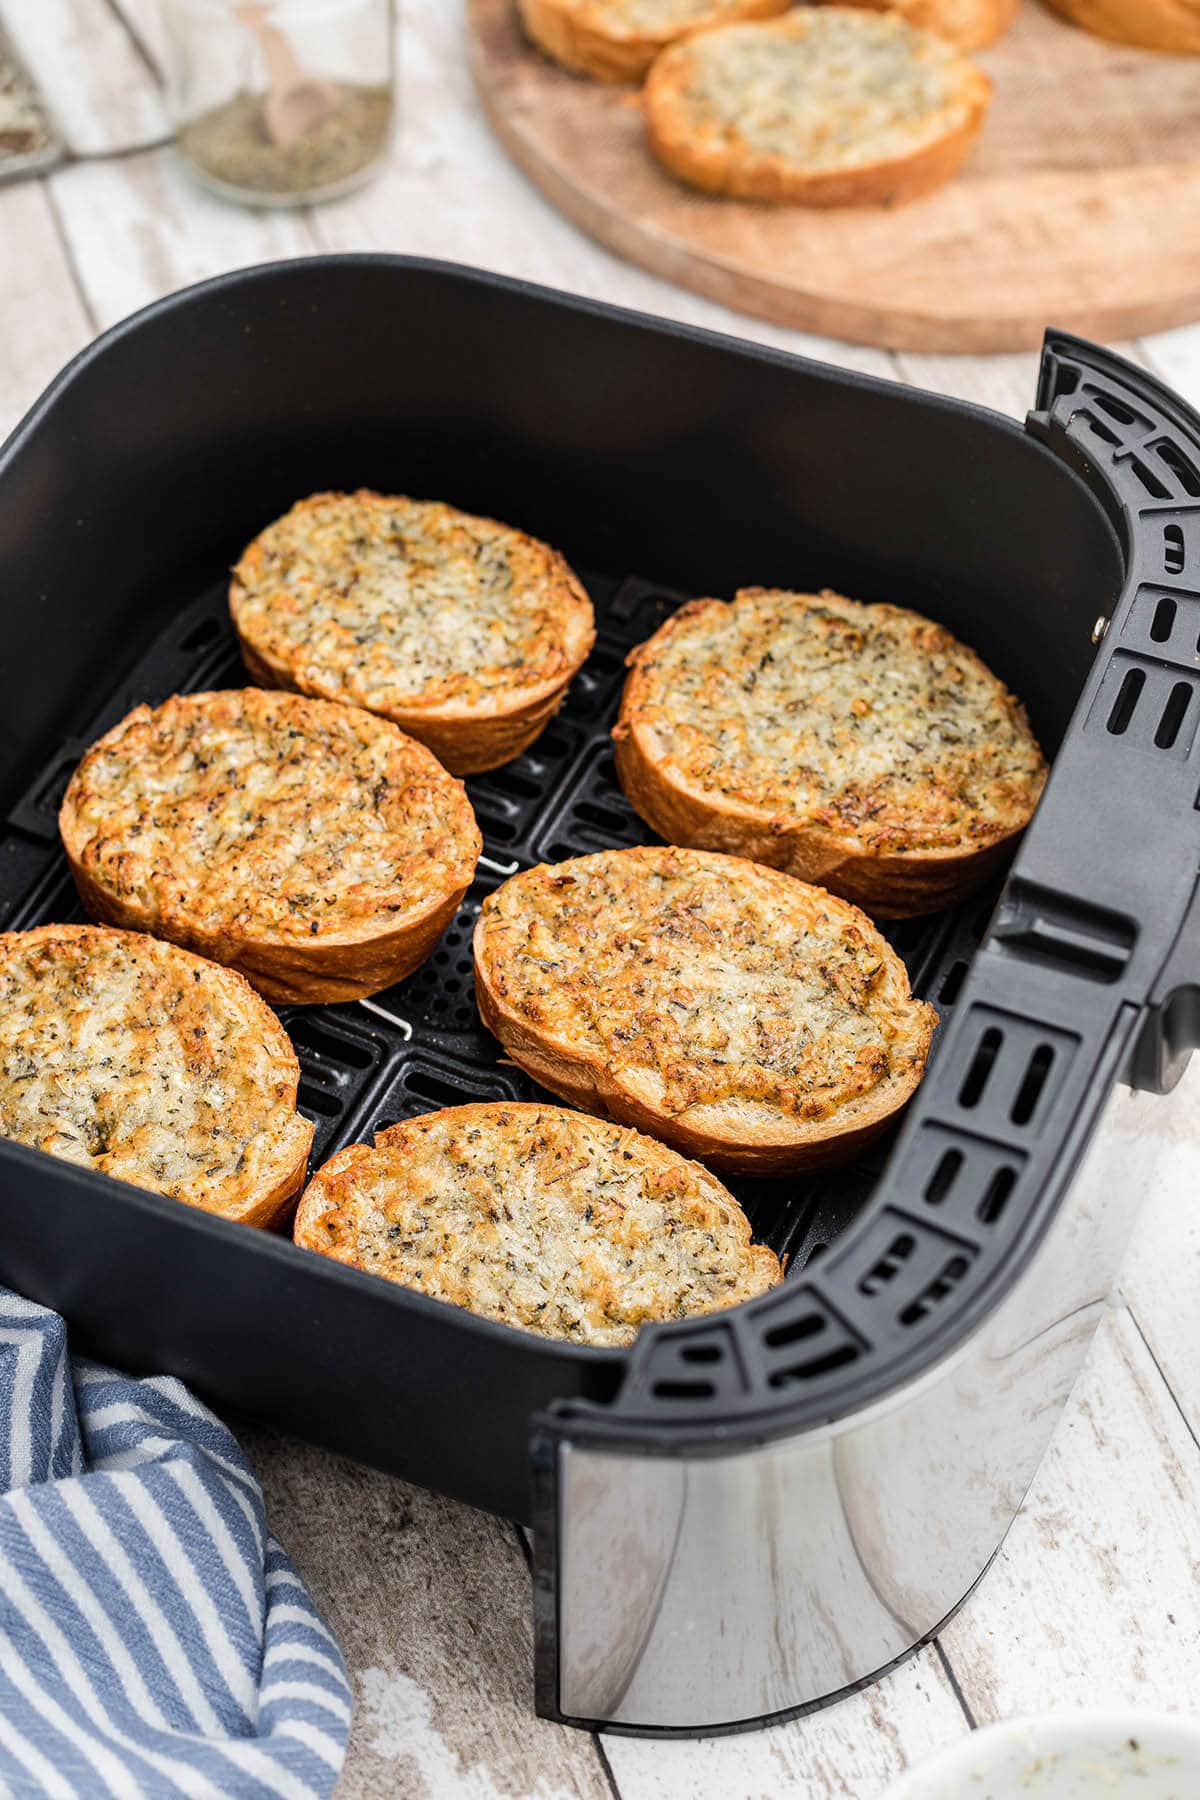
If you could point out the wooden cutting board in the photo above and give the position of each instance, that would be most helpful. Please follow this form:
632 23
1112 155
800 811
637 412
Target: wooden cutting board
1080 207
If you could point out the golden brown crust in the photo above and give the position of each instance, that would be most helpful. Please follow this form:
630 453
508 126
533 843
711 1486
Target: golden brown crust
130 1056
835 106
1172 25
614 40
858 747
312 846
539 1218
737 1014
969 24
463 631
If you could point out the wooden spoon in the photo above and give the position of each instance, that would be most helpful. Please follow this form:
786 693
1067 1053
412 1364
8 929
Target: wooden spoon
296 101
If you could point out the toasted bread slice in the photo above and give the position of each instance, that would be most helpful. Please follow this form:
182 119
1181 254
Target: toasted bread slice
135 1058
827 106
861 747
1152 24
314 847
463 631
544 1219
970 24
617 40
738 1014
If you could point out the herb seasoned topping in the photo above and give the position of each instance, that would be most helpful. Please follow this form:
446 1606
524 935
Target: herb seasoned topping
401 605
653 17
250 816
537 1217
869 722
834 88
133 1057
702 979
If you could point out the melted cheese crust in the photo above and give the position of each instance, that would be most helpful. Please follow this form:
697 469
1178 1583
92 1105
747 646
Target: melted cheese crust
835 88
263 817
138 1059
868 721
650 18
399 605
719 979
537 1217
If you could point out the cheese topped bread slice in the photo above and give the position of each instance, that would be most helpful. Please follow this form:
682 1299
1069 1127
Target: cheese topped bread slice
826 106
313 846
971 24
1151 24
137 1059
859 746
463 631
736 1013
540 1218
617 40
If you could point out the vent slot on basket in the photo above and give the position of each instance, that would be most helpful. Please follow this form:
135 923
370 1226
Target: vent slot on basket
913 1260
889 1264
980 1068
696 1365
944 1176
966 1180
1170 723
801 1337
995 1196
1105 433
1180 466
1150 705
939 1289
1173 550
1015 1071
1125 704
1163 623
1116 409
1153 484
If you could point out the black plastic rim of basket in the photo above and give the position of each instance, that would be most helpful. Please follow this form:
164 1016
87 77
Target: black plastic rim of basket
1051 1005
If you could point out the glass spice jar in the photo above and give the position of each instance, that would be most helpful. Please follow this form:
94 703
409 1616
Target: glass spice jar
283 102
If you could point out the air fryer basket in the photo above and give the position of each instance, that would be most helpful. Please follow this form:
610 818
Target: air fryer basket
741 1515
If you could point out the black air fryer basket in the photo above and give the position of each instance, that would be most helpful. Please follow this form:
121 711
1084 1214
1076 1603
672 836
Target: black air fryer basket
746 1514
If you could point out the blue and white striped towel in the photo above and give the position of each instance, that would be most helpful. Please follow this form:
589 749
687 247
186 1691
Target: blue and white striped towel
154 1638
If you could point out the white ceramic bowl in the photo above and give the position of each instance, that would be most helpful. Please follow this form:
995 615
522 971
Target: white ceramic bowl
1066 1756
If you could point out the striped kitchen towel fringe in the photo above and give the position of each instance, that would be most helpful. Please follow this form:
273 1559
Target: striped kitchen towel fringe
154 1638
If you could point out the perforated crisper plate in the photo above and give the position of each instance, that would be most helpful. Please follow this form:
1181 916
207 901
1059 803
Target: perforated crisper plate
420 1045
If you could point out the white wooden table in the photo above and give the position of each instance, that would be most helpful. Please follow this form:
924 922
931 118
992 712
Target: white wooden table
1095 1598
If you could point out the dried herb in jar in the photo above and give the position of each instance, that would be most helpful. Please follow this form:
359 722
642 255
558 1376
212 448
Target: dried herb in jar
232 145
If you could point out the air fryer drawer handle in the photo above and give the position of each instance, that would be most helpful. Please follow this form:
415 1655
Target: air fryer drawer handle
1137 447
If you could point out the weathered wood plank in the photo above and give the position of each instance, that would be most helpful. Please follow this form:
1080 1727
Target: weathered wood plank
852 1751
431 1604
1159 1279
42 318
147 26
103 95
1095 1598
140 228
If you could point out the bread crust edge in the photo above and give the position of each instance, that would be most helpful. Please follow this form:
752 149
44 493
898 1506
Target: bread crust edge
272 1206
741 174
901 885
1146 24
792 1147
556 29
